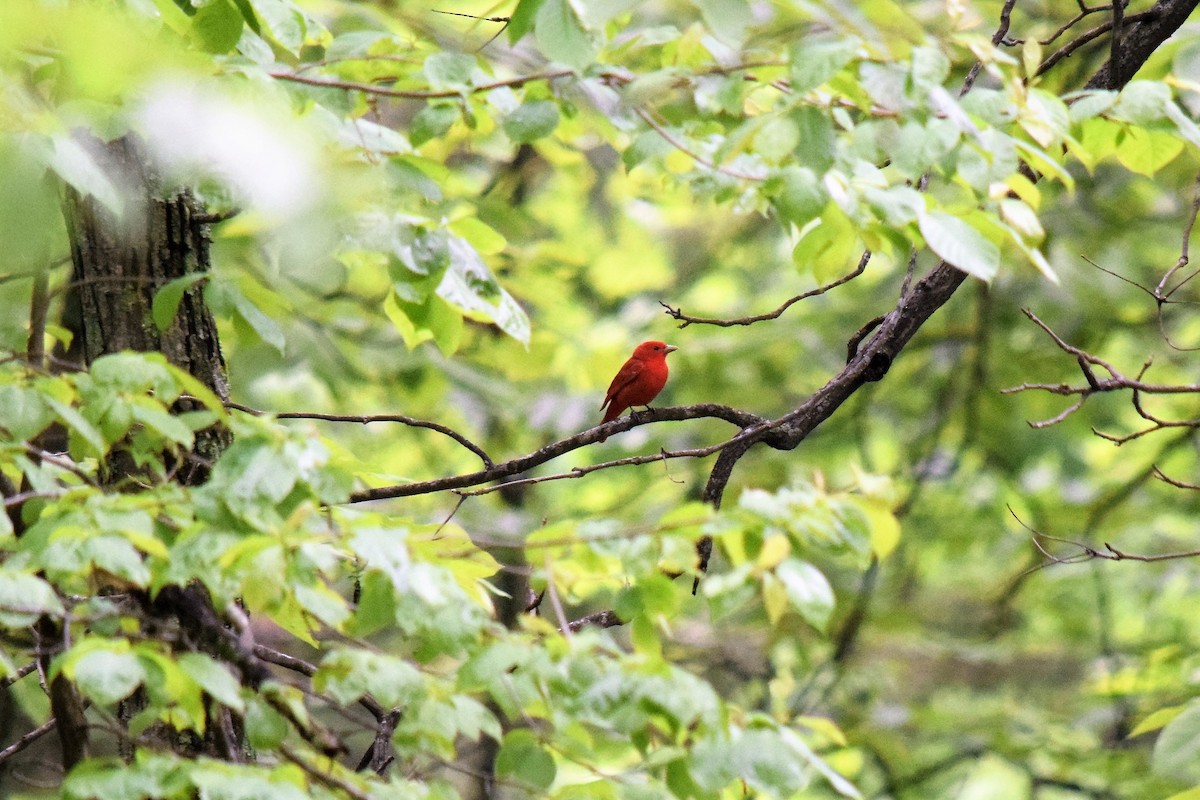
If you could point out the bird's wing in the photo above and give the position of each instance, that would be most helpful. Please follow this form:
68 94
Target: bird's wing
627 375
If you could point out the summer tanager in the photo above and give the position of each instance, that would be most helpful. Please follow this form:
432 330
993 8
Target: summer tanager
639 381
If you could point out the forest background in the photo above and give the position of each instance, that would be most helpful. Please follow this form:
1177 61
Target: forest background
309 308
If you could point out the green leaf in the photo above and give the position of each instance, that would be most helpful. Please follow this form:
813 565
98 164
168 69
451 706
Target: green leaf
449 70
1142 102
1157 720
470 285
839 783
776 139
218 26
1086 105
347 674
1187 128
897 206
151 414
959 244
483 237
25 412
266 728
646 146
282 22
1177 751
1045 118
78 425
106 676
267 329
213 678
816 147
562 36
24 598
385 550
167 299
930 67
117 555
531 121
431 122
522 19
808 590
727 19
523 759
433 319
827 246
812 63
1146 151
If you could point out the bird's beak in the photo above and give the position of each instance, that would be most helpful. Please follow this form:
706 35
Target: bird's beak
670 349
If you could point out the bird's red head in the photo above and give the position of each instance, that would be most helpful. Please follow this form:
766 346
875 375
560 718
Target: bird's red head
653 350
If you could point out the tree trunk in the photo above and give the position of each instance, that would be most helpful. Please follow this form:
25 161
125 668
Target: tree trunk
121 261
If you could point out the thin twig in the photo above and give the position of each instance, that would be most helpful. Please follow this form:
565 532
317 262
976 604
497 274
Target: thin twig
679 145
1178 484
321 776
555 601
16 676
686 319
287 661
506 469
364 419
426 94
1084 38
601 619
27 739
1084 11
999 36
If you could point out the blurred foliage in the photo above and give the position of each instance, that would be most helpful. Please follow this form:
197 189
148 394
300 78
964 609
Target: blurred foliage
472 221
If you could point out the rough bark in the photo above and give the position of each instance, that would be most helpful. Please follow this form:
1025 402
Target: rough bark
120 261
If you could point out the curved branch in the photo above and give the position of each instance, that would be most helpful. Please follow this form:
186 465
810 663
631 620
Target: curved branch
686 319
742 419
27 739
419 94
363 419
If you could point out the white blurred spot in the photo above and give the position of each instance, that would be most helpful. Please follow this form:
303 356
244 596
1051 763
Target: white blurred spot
195 131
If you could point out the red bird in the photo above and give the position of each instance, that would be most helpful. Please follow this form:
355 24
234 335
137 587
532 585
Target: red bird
639 381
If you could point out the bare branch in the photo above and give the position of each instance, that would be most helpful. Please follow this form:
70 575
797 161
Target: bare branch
379 755
999 36
303 667
364 419
1084 11
1184 248
600 619
506 469
16 676
679 145
1088 553
28 739
422 94
321 776
1178 484
1070 47
685 319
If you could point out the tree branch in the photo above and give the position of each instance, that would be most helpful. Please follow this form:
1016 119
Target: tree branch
551 451
27 739
364 419
685 319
